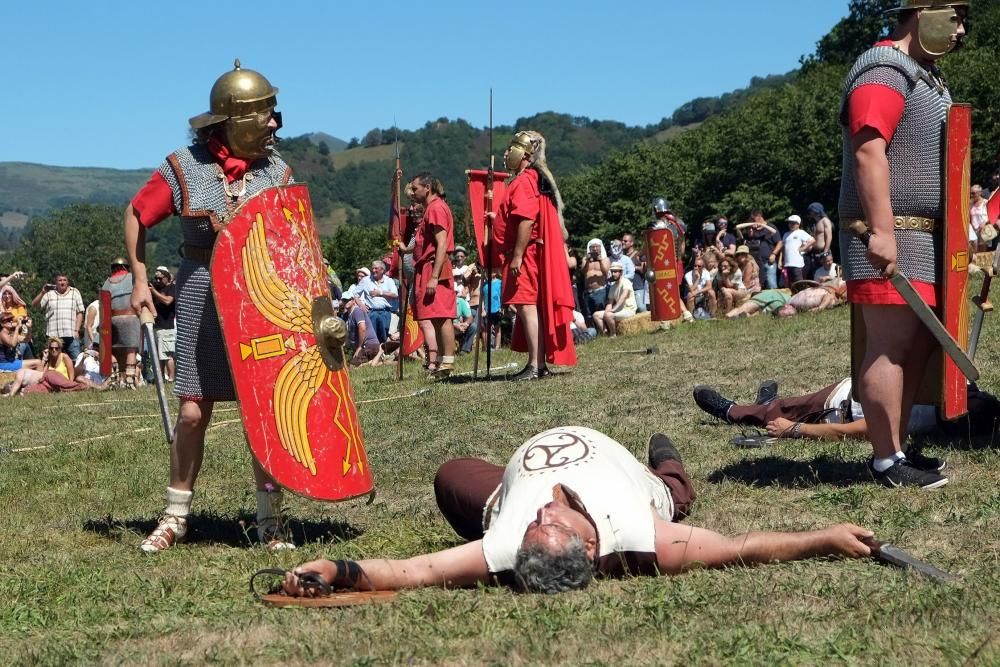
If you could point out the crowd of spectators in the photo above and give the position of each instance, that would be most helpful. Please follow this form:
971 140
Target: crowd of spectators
69 361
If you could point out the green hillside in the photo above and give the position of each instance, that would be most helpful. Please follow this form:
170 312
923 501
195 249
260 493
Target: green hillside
33 189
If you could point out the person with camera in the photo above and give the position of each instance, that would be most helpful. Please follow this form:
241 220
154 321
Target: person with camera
63 308
10 338
163 291
11 302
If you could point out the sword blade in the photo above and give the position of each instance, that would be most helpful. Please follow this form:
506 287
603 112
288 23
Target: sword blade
890 553
933 324
161 394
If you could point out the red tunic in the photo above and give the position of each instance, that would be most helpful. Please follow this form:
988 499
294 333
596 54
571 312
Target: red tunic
544 278
437 216
880 108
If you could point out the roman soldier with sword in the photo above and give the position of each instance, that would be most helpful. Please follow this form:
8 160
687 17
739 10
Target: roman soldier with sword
894 110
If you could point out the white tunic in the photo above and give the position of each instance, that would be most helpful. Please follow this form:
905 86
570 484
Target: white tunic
617 491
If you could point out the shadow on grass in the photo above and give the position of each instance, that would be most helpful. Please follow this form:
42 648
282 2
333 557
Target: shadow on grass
777 471
239 531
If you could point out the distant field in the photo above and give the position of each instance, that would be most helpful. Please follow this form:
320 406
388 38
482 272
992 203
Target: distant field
12 219
35 188
75 588
362 154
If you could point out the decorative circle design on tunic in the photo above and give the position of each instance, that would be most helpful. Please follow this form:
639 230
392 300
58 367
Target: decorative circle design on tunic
555 450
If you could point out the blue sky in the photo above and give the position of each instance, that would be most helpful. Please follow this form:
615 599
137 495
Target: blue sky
112 84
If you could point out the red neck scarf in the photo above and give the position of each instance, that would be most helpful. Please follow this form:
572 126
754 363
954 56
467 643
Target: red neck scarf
233 167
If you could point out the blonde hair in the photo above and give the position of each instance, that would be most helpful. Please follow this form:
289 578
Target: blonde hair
537 160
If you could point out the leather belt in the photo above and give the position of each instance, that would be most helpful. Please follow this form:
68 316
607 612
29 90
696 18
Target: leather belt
196 253
123 311
913 223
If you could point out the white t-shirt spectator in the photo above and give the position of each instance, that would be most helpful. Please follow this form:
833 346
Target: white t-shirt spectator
793 242
91 367
622 287
702 282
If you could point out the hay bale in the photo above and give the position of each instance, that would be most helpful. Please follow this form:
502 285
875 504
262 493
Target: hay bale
983 260
6 376
638 324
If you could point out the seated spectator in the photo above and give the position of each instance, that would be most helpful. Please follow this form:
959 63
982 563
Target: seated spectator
765 301
88 369
361 335
23 379
732 292
814 299
10 339
621 303
58 372
596 268
828 271
748 267
699 289
11 302
581 332
463 323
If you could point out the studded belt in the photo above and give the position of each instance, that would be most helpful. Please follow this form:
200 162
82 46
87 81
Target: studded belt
913 223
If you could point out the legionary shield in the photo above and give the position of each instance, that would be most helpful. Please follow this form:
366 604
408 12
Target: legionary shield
104 332
665 295
947 382
285 348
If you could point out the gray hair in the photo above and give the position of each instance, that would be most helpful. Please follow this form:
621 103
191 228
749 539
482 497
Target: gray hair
379 263
541 571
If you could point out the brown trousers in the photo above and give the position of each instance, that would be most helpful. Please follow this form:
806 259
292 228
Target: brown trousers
462 487
795 408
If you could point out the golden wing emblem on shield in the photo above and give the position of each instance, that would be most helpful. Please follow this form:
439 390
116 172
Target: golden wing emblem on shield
300 378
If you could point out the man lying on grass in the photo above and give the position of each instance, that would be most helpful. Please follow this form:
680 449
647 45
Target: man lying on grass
573 504
831 413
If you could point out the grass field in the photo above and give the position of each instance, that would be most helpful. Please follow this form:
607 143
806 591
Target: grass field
75 588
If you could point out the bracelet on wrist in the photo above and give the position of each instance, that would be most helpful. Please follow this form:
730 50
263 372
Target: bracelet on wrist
797 430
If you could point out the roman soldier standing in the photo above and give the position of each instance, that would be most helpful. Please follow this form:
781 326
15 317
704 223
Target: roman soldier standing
231 159
893 116
536 281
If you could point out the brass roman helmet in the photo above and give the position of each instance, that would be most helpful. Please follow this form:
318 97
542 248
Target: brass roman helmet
244 101
119 261
519 148
936 32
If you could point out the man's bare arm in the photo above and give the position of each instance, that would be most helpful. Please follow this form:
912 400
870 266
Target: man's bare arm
456 567
135 245
680 547
783 428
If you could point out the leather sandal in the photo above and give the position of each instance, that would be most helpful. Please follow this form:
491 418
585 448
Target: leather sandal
168 532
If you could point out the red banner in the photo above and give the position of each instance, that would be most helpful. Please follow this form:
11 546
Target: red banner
477 204
993 207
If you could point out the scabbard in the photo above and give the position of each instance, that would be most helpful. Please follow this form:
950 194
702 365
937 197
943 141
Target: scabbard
161 393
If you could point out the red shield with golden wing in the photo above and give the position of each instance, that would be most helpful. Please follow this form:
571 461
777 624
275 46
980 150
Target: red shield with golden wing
665 289
954 303
285 348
